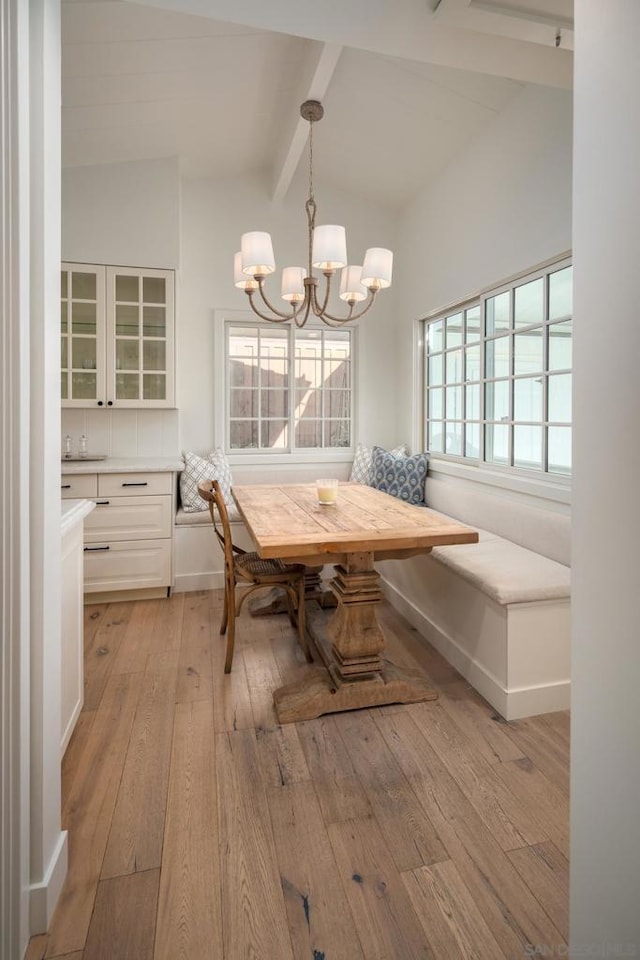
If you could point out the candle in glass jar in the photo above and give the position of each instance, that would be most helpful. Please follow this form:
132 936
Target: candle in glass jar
327 491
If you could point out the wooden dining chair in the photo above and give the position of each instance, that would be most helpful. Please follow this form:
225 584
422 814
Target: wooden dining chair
241 567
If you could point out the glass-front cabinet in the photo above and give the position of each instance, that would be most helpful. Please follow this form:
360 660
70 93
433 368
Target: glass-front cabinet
117 336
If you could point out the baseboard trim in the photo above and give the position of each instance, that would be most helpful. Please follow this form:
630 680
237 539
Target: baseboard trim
187 582
512 704
44 896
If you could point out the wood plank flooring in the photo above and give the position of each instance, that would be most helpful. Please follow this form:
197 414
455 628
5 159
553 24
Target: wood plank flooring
199 829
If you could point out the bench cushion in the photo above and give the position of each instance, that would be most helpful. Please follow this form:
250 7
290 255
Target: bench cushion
506 571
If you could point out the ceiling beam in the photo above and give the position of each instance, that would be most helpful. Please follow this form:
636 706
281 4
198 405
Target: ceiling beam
314 86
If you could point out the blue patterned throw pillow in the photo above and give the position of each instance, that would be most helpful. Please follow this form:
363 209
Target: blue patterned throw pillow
402 477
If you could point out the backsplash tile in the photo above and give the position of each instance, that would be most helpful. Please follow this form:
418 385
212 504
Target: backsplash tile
124 433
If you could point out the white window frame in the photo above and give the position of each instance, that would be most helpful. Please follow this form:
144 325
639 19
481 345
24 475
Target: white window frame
552 486
224 318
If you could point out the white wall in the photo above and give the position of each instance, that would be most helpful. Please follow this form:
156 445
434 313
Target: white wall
605 809
122 213
214 215
503 205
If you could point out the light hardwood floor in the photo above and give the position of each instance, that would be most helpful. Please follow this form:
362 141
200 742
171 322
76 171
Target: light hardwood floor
200 829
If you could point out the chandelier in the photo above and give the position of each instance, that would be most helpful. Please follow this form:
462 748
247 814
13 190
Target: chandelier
327 252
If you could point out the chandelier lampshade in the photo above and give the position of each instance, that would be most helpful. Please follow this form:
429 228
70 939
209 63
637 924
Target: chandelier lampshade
327 252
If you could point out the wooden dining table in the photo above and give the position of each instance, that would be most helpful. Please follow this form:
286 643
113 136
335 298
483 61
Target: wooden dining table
362 526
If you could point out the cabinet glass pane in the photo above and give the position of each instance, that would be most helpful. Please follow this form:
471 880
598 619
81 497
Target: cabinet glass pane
472 398
154 386
154 322
63 353
83 318
560 450
63 317
560 349
560 398
527 400
528 352
154 290
83 286
63 387
529 303
473 363
497 357
127 355
454 330
435 404
127 288
127 386
527 447
497 313
127 320
435 340
496 443
454 366
561 294
497 400
243 434
472 440
83 353
154 355
308 433
472 330
83 386
337 433
436 435
64 286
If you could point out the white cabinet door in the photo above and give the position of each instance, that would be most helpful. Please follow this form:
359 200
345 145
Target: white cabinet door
117 328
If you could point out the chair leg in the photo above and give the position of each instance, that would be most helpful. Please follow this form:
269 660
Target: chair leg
302 620
231 630
225 610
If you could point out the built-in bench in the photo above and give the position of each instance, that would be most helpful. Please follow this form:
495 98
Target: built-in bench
498 610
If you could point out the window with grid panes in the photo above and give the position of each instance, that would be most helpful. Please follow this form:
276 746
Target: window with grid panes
288 389
498 375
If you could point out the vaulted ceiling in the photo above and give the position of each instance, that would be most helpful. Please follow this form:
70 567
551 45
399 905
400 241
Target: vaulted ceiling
406 84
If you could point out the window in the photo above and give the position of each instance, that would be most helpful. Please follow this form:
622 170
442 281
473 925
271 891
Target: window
497 374
288 389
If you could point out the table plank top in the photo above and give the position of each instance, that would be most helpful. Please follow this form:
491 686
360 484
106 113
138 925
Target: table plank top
286 520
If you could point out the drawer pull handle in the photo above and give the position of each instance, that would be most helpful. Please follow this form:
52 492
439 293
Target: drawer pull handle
94 549
102 503
66 486
127 484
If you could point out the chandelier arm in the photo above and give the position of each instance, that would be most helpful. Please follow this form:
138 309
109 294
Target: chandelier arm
321 310
267 302
282 318
351 315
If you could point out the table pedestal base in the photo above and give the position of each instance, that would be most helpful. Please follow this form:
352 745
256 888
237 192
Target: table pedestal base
316 694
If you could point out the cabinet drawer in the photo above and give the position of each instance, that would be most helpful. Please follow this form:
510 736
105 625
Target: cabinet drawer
133 484
79 486
129 518
134 565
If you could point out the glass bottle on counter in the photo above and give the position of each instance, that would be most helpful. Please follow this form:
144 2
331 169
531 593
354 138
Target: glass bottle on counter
83 446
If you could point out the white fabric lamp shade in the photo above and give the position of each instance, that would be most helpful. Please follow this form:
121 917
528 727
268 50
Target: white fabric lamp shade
351 288
293 284
329 247
377 267
241 280
257 253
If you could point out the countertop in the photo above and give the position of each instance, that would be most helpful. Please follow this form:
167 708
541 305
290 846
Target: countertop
124 465
72 512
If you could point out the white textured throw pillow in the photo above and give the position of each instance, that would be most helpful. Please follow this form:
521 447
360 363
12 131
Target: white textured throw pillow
361 471
197 468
